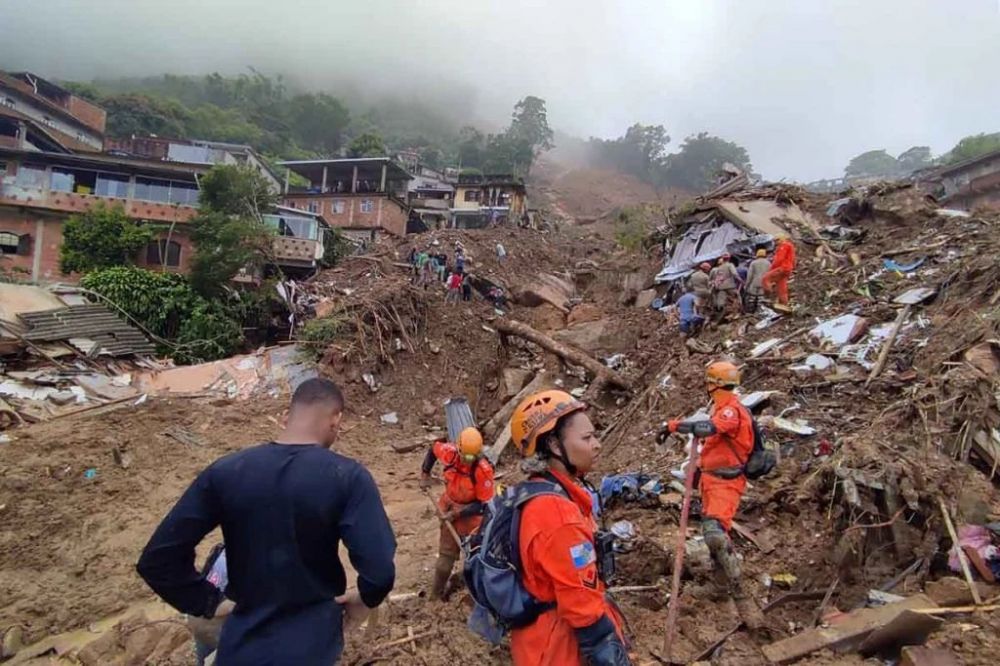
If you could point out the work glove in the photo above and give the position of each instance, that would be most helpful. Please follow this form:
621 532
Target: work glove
697 428
600 644
425 481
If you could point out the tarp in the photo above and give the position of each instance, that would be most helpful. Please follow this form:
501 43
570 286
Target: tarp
703 241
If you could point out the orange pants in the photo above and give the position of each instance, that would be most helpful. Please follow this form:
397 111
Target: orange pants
777 278
464 527
721 497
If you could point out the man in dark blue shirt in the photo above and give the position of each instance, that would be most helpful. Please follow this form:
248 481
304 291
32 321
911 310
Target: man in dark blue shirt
284 507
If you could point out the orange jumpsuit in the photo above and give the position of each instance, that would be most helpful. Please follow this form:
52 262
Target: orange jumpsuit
559 564
781 269
464 484
730 446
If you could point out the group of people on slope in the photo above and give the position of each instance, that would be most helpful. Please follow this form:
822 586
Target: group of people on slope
728 289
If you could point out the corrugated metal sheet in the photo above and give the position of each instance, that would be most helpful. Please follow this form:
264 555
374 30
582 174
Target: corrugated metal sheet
92 322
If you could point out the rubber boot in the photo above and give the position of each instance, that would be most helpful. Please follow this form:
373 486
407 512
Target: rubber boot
442 571
722 552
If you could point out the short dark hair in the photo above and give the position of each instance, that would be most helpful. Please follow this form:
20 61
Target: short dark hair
318 391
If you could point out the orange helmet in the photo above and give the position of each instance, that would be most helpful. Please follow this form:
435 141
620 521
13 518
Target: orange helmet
723 374
537 414
470 443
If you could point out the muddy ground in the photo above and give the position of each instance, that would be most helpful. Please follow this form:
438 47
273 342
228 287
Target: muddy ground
68 543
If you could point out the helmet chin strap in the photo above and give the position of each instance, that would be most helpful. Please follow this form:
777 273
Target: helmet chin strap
563 457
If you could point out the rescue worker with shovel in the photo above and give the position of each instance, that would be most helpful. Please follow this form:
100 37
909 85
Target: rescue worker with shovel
468 478
724 453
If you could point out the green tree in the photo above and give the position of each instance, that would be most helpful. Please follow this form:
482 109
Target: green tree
529 124
872 164
229 231
166 306
236 190
974 146
700 158
368 144
318 121
913 159
142 115
431 157
471 147
100 238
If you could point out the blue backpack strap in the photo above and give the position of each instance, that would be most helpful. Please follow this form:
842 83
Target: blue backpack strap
525 492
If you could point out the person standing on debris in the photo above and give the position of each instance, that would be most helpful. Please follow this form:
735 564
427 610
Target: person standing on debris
418 268
564 560
459 262
688 313
725 284
501 252
699 282
468 478
467 287
284 508
454 294
442 259
721 479
776 279
754 288
428 272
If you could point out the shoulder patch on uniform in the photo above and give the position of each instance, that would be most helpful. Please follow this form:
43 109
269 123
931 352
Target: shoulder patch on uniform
729 412
582 554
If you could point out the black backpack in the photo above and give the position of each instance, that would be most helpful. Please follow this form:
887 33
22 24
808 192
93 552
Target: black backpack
762 459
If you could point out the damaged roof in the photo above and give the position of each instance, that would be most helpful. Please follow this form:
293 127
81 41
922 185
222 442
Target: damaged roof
91 328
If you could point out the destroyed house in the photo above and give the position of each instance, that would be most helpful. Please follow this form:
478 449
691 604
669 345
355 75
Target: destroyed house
429 196
36 114
195 151
481 200
972 183
362 197
736 226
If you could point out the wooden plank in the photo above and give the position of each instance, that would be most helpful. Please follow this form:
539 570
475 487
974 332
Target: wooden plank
846 635
961 553
763 544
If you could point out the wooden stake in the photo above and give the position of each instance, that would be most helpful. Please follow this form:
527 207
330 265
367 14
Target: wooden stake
447 523
961 554
883 355
675 586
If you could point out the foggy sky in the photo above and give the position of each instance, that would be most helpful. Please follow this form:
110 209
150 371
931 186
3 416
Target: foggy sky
804 85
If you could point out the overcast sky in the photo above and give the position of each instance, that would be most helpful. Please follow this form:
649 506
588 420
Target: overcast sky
804 85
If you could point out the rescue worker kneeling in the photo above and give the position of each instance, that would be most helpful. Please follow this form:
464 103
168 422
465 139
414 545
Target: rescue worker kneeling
468 478
722 479
558 541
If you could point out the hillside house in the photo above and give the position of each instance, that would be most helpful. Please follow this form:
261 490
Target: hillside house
36 114
193 151
972 183
362 197
481 200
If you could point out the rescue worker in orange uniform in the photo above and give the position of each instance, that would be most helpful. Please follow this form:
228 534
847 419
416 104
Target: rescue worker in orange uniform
468 478
782 266
722 481
560 549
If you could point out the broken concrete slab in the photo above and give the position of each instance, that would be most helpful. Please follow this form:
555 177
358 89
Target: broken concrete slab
545 288
645 298
907 628
514 379
586 336
845 635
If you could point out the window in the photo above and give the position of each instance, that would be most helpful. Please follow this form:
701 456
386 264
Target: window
337 206
292 226
112 185
31 177
472 195
185 194
152 189
313 207
78 181
367 205
155 251
11 243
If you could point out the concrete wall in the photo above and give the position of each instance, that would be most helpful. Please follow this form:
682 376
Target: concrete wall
41 263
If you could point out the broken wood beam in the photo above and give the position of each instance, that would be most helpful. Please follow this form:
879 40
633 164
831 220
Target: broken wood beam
883 355
763 544
502 417
961 553
598 370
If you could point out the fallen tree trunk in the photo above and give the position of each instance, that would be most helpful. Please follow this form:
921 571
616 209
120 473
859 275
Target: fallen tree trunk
600 372
502 417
